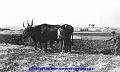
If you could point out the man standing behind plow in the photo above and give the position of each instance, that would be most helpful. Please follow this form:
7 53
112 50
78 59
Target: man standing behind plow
116 39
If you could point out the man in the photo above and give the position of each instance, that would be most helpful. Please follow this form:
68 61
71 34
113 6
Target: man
116 39
65 32
60 30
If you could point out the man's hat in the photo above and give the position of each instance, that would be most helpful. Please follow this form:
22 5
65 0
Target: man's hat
113 32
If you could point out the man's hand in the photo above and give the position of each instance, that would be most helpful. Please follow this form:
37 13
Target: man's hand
72 43
105 40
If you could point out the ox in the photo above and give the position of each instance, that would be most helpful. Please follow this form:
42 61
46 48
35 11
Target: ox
64 35
49 33
33 32
42 34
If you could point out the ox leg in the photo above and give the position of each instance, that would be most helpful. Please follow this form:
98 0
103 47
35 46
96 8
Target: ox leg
69 46
45 47
35 45
51 44
40 45
66 48
61 45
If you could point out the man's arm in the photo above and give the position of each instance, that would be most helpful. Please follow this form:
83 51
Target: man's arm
109 39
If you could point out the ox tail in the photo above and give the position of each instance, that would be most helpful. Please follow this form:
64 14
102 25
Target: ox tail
72 39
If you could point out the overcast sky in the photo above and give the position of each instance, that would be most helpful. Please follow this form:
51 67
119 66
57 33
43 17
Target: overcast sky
78 13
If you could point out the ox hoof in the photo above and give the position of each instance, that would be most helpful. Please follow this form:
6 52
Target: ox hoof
45 51
68 52
116 54
61 52
35 48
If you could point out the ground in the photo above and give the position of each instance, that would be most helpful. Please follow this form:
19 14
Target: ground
18 58
88 51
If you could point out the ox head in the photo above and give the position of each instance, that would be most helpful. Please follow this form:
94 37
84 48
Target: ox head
28 30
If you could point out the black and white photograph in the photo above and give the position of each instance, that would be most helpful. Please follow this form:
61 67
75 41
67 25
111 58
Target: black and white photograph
59 35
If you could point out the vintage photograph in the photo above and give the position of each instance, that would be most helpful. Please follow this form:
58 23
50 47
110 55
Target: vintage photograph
59 36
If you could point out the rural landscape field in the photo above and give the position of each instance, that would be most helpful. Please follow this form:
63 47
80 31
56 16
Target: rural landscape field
89 51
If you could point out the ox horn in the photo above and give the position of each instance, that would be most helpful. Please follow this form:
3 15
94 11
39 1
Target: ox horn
28 23
32 22
23 25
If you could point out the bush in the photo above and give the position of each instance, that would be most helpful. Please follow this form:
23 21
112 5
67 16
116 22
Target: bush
86 46
91 46
13 39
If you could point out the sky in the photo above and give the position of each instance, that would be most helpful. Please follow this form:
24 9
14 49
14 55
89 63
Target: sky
78 13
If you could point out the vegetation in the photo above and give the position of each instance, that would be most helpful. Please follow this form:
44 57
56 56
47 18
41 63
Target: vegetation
79 44
85 53
2 29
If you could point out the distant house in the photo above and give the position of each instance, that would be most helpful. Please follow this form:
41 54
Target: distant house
77 29
94 29
84 29
2 29
105 29
87 29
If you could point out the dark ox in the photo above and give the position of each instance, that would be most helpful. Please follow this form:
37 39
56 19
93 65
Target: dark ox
33 32
42 34
49 33
65 32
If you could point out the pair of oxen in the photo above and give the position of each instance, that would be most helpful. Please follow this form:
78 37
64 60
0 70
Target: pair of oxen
45 33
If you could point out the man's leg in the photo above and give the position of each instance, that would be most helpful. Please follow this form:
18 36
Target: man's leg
118 50
66 46
115 49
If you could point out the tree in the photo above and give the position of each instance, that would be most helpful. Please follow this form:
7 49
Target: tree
89 25
93 25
